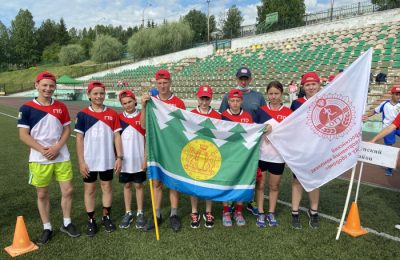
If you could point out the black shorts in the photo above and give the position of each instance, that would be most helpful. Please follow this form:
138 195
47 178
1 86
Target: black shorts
137 177
273 168
104 176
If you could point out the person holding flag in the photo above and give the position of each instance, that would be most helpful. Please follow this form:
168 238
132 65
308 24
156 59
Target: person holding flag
204 97
164 82
311 85
270 160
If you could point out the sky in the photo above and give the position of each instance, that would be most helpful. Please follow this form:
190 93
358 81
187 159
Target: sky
88 13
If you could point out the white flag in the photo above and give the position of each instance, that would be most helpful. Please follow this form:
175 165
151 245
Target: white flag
320 140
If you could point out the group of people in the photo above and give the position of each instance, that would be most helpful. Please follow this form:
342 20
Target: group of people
109 143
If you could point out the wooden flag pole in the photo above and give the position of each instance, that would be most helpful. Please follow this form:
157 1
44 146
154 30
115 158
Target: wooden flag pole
347 202
154 210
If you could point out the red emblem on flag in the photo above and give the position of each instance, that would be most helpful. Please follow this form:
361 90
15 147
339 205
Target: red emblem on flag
331 116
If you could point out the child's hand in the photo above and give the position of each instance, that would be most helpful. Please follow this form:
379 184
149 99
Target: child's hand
84 170
145 98
117 166
52 152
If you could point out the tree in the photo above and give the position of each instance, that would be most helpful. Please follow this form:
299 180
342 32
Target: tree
23 40
386 4
46 34
71 54
106 48
4 46
232 23
198 23
62 33
50 53
73 35
291 14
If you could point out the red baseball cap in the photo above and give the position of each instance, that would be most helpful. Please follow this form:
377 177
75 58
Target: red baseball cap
331 78
310 77
395 89
163 74
235 93
45 75
95 84
204 91
126 93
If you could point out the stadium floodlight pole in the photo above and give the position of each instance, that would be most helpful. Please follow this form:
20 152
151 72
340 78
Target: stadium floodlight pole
208 21
332 3
148 4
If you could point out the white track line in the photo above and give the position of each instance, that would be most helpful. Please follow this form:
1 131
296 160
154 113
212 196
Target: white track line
370 230
4 114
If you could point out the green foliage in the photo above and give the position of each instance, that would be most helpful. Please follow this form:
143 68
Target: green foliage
231 25
46 34
4 46
71 54
23 40
291 14
198 23
106 48
169 37
386 4
62 33
50 53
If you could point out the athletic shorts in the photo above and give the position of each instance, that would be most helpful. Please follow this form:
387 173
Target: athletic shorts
40 175
104 176
273 168
390 139
138 177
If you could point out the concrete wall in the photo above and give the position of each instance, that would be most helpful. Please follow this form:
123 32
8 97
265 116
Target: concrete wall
359 21
199 52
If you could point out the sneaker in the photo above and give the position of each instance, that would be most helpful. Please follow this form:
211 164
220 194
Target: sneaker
389 172
195 220
126 220
140 221
209 219
150 225
296 221
226 219
175 223
314 220
272 220
45 237
252 208
108 225
261 220
91 228
70 230
240 221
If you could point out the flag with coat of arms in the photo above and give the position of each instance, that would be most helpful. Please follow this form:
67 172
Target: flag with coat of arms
200 156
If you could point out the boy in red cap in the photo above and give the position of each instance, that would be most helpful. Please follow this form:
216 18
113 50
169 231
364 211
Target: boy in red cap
204 97
44 125
98 134
390 109
164 82
311 85
134 163
235 113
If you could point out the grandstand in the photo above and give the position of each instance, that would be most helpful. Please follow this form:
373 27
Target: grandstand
283 56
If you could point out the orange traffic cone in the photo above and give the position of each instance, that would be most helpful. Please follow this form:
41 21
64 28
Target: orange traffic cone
21 243
352 226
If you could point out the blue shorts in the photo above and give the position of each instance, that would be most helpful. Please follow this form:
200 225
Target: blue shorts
390 139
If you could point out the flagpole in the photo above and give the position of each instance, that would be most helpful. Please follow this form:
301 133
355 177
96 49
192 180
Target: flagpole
359 181
347 202
154 209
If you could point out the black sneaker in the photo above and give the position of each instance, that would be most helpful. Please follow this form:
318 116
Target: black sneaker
150 225
314 220
70 230
45 237
209 219
91 228
195 218
296 221
108 225
175 223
